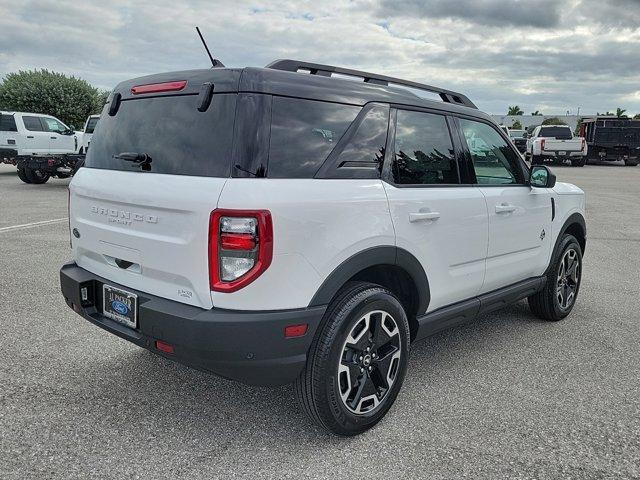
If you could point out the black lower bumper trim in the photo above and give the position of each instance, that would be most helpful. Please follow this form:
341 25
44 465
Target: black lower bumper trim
246 346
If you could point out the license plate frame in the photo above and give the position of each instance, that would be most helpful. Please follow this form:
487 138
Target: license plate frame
120 305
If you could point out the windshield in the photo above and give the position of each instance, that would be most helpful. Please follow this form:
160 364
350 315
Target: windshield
516 133
559 133
179 139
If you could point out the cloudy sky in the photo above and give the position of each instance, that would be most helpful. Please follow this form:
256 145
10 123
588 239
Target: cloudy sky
547 55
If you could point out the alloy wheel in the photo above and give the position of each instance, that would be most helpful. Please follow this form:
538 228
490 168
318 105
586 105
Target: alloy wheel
568 279
369 362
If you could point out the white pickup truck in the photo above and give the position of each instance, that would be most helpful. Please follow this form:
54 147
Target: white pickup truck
87 133
40 146
556 143
36 134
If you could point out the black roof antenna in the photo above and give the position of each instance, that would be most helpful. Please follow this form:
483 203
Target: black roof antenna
214 61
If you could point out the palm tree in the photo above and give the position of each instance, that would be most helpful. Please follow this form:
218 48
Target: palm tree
515 110
537 113
620 112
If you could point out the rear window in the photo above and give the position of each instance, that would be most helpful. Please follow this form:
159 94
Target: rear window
7 123
303 134
559 133
179 139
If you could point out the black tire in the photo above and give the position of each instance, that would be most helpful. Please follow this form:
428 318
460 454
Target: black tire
22 175
631 163
36 176
546 304
578 162
536 160
328 384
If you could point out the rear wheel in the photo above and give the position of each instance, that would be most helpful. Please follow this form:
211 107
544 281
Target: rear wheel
578 162
357 361
631 162
536 160
37 176
560 292
22 175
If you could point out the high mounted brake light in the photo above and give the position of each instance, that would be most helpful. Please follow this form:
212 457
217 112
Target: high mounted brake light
240 247
159 87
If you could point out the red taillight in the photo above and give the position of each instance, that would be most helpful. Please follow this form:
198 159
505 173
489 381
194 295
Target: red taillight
584 142
542 144
159 87
240 247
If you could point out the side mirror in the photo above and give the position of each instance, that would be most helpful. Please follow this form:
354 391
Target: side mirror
541 177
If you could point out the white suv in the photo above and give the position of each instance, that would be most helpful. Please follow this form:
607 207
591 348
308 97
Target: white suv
276 225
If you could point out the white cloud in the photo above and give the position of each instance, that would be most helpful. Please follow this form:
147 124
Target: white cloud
580 54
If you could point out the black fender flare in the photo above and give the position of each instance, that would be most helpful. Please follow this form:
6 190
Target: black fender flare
574 218
371 257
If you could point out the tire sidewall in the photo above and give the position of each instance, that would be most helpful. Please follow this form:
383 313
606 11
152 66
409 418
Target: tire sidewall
337 413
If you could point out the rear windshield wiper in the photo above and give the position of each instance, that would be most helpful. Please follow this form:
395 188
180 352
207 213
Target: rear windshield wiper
141 159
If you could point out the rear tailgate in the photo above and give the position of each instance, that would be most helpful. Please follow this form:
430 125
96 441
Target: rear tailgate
573 145
147 228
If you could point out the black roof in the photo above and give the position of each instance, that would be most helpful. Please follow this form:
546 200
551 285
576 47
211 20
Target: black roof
282 78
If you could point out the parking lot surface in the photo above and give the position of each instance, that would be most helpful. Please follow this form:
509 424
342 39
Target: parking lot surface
508 396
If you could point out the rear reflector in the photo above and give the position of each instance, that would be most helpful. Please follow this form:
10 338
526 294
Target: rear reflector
237 241
164 346
159 87
293 331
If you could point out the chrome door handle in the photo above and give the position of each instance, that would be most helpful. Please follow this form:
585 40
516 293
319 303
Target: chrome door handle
419 216
505 208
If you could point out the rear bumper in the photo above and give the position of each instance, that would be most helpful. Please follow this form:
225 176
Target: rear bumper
554 154
246 346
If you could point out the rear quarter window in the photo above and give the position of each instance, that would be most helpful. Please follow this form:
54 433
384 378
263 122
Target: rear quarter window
8 123
303 134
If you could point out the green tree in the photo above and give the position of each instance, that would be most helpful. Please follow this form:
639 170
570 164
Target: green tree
636 116
620 112
516 125
70 99
515 110
537 113
553 121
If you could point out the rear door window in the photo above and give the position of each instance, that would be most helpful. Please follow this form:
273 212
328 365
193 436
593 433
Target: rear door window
303 134
91 125
32 124
423 150
179 139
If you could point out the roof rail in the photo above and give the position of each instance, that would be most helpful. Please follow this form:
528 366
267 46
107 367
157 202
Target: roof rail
326 71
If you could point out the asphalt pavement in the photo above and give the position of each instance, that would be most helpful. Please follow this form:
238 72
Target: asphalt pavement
508 396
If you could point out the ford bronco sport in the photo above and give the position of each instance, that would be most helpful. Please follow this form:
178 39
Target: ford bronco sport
277 225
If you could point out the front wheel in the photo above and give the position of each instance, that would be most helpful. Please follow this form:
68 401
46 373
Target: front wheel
556 300
357 362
